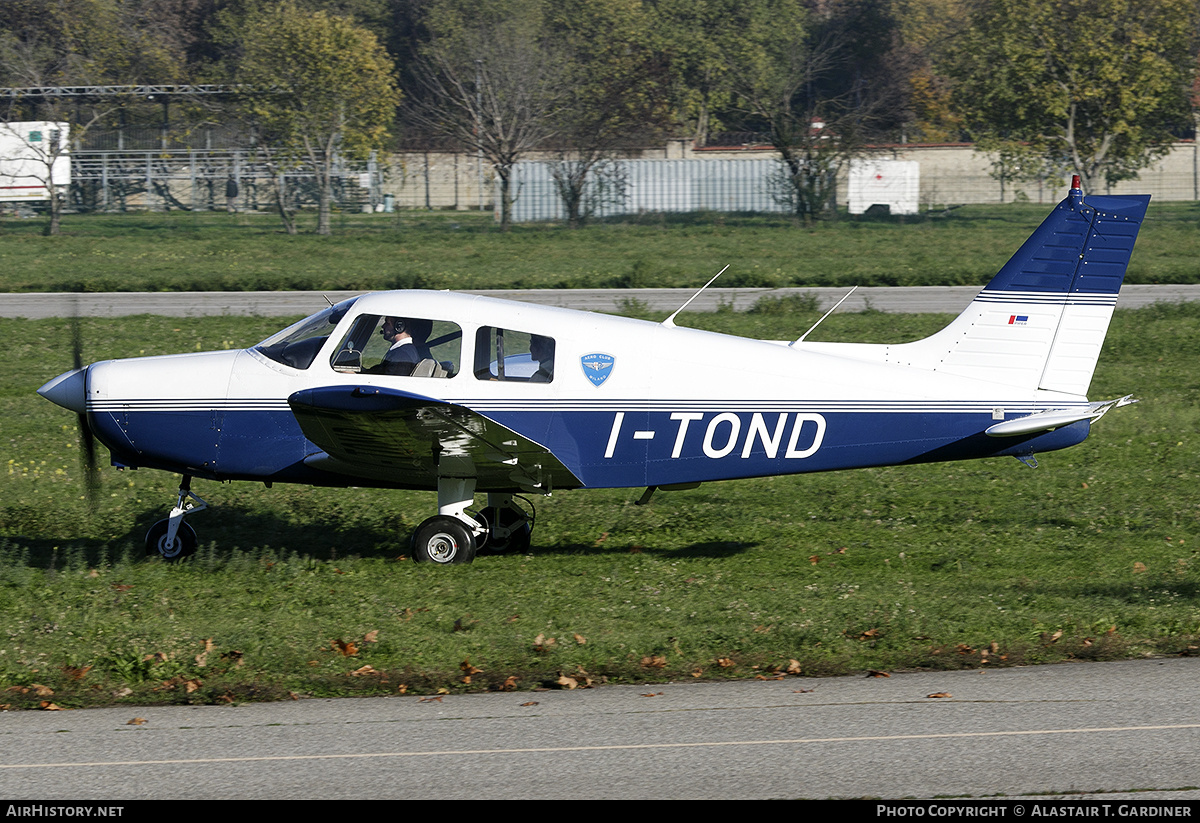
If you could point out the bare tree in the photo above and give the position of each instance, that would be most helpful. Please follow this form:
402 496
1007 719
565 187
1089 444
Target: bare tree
495 87
38 130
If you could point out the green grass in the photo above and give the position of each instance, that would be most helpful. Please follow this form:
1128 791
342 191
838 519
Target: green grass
457 250
1094 555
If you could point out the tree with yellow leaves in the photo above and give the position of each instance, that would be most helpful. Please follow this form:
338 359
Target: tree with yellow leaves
319 88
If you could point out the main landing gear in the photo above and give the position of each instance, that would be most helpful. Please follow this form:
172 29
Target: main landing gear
454 536
172 539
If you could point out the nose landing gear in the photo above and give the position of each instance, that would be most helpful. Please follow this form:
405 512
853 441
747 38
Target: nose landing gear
172 539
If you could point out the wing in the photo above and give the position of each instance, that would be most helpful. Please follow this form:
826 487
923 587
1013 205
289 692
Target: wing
410 440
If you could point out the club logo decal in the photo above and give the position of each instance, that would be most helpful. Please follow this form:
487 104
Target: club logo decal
597 366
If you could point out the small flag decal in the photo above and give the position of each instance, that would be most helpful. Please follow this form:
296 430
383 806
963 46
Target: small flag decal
1018 319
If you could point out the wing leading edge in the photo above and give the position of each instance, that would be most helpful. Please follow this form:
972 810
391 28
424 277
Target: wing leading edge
382 434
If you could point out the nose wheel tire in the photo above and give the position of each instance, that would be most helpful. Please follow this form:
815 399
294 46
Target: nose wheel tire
184 544
443 540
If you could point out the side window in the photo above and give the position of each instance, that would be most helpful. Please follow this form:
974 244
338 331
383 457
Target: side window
401 346
505 354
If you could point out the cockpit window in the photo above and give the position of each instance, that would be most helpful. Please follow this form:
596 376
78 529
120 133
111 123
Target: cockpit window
298 344
505 354
401 346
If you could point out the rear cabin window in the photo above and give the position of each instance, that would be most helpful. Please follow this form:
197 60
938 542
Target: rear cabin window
400 346
505 354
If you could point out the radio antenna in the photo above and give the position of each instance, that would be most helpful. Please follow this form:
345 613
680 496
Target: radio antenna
670 321
800 339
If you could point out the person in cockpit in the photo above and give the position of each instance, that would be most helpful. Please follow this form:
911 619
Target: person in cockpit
407 336
541 349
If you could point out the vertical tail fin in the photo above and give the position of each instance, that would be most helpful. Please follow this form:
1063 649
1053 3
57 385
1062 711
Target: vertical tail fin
1040 322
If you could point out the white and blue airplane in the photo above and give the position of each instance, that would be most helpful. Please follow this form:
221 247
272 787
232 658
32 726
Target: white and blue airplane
466 394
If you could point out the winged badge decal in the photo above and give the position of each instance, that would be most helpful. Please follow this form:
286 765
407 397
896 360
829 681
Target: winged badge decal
597 366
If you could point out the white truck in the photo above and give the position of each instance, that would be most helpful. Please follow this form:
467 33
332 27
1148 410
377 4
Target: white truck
33 156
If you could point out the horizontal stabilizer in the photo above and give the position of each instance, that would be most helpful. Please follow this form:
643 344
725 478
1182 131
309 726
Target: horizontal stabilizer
1056 418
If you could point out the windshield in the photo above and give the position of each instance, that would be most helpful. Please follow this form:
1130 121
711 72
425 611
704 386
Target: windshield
298 344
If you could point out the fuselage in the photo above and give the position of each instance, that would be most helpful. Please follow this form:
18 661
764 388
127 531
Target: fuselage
622 403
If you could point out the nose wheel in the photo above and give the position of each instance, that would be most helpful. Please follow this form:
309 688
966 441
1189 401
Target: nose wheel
172 539
171 549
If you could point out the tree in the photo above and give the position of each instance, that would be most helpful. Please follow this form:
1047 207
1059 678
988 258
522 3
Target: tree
319 88
1095 86
800 77
72 43
617 98
493 81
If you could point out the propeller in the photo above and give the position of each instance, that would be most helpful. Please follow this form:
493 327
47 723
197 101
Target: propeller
87 441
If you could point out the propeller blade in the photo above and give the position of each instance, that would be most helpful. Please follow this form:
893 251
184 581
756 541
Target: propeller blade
87 441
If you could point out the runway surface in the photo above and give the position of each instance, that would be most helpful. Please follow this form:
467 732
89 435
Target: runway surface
912 299
1071 728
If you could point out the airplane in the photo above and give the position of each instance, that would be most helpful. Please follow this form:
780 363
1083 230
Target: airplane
469 395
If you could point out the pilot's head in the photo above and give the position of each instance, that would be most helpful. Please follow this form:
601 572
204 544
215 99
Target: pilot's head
393 329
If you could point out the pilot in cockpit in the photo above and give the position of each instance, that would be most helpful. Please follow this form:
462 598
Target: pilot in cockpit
408 337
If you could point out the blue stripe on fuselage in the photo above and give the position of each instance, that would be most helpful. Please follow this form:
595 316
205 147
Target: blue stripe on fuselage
603 448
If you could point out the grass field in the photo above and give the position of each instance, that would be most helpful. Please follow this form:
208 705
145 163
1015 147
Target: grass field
301 591
207 251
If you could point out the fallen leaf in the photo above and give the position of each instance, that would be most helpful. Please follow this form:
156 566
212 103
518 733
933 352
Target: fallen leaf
873 673
192 685
137 721
580 639
568 682
725 663
510 683
371 636
437 699
793 666
940 694
467 668
530 703
76 672
46 705
654 662
652 694
347 649
801 691
40 690
364 671
814 559
1139 567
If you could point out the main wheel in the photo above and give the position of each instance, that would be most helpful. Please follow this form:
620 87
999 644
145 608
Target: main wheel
183 546
508 530
444 540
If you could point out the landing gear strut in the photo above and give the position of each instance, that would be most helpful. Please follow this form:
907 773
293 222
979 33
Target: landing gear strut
172 539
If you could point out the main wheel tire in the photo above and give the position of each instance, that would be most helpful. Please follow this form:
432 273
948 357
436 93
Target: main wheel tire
443 540
183 546
513 521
